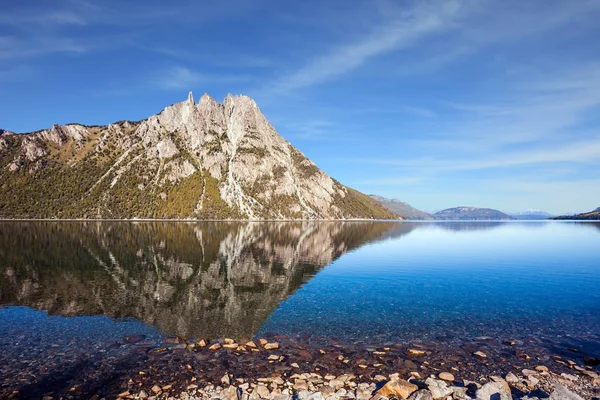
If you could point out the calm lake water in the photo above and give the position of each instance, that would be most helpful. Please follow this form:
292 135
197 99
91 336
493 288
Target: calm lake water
358 282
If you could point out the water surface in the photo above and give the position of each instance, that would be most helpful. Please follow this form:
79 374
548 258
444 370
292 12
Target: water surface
357 282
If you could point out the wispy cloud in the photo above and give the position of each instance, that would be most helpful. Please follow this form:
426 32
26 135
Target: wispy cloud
55 18
179 77
399 31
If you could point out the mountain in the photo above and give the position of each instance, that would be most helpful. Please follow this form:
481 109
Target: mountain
593 215
531 215
401 208
197 161
471 213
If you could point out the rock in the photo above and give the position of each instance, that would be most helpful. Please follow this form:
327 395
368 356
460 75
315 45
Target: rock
397 388
215 347
439 389
460 393
271 346
306 395
225 380
300 384
228 341
421 395
336 383
156 389
541 368
416 352
251 345
562 393
294 365
528 372
494 391
326 391
511 378
231 393
446 376
142 395
263 392
262 341
591 361
381 378
534 381
480 354
363 393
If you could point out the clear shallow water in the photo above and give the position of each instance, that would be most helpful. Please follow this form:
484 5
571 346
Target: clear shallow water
354 281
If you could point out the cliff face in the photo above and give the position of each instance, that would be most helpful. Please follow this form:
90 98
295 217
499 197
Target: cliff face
193 279
200 160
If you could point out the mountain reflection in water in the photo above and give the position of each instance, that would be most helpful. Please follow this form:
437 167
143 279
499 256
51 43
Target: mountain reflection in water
200 279
212 279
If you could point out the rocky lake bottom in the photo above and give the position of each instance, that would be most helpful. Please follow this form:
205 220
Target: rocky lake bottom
299 310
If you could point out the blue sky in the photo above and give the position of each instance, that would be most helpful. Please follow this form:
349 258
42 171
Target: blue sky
440 103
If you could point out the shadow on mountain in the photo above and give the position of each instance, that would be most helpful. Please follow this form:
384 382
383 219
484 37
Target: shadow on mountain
210 279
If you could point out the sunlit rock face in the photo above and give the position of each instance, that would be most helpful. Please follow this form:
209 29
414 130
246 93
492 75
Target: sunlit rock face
219 279
202 160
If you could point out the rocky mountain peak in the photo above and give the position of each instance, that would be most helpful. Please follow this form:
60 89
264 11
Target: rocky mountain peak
204 160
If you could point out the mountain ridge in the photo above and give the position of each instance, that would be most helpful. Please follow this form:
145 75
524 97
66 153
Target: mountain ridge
401 208
591 215
202 160
471 213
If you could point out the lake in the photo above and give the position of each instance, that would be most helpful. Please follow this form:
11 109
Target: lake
74 294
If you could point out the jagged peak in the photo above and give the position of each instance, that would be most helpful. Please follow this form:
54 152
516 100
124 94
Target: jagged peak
239 100
190 98
207 99
4 132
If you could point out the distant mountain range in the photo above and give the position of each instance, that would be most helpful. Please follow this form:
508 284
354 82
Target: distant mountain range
402 208
531 215
204 160
457 213
592 215
471 213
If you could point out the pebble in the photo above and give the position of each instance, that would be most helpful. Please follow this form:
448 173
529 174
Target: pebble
480 354
271 346
446 376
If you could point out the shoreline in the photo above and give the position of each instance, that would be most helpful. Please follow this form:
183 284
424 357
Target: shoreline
295 220
280 368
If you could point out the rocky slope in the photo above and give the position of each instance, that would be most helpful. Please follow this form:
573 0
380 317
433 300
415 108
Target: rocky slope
471 213
200 160
401 208
592 215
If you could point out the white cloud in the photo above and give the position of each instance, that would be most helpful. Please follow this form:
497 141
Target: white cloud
399 31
